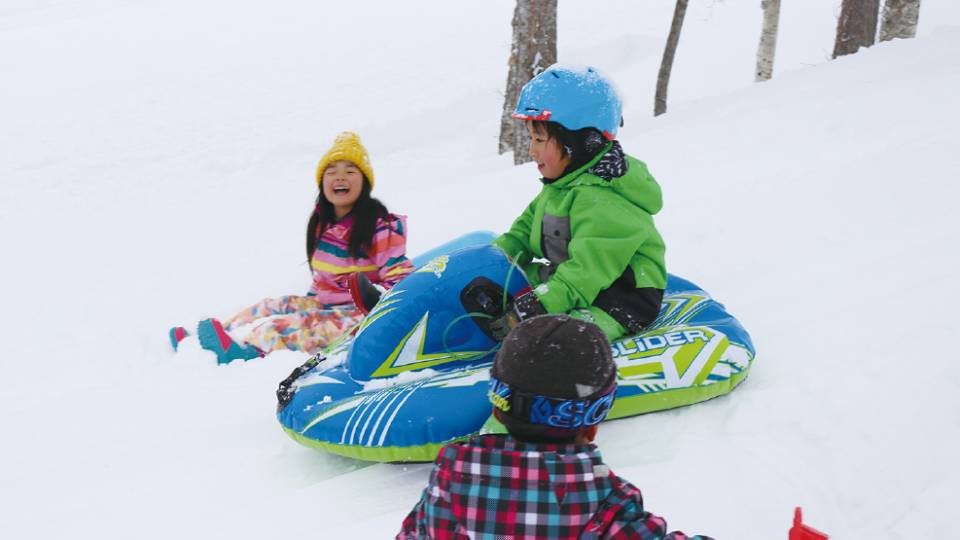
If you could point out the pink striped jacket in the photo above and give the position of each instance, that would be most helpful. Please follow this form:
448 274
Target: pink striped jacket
384 264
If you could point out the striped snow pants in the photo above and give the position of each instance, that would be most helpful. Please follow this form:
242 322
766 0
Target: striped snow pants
296 323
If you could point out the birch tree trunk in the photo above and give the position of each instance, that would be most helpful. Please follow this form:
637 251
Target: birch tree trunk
767 49
899 19
857 26
534 49
666 65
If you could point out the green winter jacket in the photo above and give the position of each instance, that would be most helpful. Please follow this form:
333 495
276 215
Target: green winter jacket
599 237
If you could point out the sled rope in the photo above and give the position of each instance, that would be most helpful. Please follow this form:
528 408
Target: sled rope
503 309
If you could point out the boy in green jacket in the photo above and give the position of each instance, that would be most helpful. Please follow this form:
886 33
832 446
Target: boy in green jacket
587 243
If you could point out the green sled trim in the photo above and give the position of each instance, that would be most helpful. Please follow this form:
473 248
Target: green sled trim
387 454
623 407
652 402
673 398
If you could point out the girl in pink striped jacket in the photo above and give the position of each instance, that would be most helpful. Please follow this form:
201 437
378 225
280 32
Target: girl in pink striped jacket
349 233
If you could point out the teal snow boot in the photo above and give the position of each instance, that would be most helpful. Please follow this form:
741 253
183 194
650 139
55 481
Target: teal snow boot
214 338
176 335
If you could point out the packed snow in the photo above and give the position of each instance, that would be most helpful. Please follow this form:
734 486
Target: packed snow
157 158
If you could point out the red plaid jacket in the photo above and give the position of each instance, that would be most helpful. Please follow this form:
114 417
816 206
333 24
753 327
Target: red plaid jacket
495 487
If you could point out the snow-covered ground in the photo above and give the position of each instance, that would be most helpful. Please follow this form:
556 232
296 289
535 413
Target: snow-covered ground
156 164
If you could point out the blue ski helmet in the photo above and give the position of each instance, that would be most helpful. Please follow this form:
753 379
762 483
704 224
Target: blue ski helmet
575 98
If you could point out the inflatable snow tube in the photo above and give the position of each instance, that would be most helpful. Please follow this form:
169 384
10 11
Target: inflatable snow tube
414 376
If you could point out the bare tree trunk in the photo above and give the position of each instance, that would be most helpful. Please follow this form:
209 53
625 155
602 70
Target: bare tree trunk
534 50
899 19
768 39
666 65
857 26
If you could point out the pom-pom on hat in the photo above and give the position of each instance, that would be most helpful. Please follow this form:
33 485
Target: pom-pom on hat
347 146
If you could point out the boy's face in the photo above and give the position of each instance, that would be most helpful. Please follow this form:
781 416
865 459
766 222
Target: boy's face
546 151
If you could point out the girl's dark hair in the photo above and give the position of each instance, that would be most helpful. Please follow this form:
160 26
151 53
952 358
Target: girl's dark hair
580 145
366 211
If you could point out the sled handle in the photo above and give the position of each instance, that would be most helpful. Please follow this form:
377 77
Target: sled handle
286 390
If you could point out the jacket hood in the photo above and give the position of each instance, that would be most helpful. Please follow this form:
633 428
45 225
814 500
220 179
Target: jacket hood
639 187
627 175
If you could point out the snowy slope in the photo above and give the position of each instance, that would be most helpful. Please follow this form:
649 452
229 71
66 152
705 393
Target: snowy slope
156 164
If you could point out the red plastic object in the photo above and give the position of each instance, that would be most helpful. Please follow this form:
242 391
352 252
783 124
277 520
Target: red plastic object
353 284
799 531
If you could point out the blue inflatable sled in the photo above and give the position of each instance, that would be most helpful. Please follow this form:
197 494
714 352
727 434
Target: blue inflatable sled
414 374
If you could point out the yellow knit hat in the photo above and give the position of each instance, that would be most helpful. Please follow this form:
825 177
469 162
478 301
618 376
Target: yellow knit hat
347 146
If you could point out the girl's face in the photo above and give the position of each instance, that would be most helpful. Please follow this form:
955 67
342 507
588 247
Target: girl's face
342 184
551 161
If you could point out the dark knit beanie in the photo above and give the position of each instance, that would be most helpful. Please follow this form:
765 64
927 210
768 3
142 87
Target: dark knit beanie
556 356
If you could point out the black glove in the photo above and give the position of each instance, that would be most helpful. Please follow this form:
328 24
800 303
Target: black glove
523 307
528 305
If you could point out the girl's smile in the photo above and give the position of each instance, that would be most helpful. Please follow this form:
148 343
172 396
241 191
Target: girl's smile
342 184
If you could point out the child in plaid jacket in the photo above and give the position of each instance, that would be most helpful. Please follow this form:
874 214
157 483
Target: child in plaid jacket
552 382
